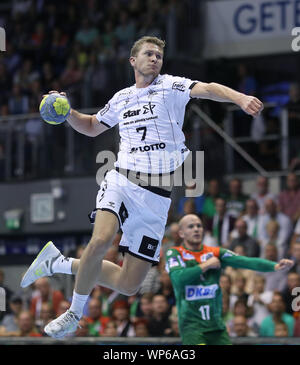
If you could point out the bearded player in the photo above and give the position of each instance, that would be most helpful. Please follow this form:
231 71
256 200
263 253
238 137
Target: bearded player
150 116
195 271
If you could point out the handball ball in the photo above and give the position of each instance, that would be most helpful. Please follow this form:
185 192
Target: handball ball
55 108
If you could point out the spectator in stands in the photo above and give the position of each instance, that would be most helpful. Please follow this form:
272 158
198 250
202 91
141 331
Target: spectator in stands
289 199
166 288
189 205
64 305
285 226
293 281
238 290
9 322
8 293
213 192
221 224
293 109
227 314
258 300
87 33
173 331
18 103
173 238
275 280
96 321
295 256
225 284
45 294
277 309
262 193
26 327
83 328
141 328
159 320
242 309
236 200
125 31
249 244
46 316
251 217
111 329
120 314
272 229
240 327
145 306
281 330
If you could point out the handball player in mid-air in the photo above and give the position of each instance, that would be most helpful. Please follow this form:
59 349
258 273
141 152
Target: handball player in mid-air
150 116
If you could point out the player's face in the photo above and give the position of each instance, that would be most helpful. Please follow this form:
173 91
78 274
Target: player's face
149 60
192 232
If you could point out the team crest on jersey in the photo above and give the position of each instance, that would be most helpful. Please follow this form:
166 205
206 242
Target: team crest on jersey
172 262
198 292
188 256
206 256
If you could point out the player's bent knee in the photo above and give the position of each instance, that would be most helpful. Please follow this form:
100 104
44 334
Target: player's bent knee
99 244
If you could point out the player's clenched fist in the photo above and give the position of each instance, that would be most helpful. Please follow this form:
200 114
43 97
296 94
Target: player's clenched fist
251 105
212 263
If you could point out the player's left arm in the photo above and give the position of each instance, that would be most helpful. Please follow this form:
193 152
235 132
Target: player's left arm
217 92
229 258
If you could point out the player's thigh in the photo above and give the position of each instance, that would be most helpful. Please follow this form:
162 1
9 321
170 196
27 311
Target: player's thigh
218 338
194 338
134 270
106 225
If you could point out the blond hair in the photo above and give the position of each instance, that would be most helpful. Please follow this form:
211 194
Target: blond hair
139 43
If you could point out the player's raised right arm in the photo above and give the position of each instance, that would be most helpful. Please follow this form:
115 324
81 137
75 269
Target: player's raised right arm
86 124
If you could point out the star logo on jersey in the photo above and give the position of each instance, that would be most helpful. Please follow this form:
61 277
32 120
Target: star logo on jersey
148 108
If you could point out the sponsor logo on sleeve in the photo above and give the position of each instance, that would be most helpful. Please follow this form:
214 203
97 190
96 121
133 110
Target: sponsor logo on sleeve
178 86
198 292
229 253
105 109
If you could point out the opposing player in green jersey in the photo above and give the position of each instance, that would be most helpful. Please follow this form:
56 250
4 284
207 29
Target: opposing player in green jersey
195 270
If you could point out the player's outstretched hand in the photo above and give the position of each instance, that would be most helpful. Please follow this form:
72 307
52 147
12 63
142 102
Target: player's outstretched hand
284 264
251 105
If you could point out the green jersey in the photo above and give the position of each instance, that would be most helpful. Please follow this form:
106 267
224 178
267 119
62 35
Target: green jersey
198 295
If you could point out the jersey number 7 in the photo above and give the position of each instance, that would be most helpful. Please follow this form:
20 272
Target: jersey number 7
144 129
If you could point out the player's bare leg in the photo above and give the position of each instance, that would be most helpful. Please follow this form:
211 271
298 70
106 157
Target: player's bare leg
125 279
105 227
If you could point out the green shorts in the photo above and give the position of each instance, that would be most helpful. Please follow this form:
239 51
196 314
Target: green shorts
207 338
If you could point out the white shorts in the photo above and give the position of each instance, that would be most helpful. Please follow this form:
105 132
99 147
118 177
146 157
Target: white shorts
142 215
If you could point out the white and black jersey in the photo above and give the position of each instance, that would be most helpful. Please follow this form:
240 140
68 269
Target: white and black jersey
150 123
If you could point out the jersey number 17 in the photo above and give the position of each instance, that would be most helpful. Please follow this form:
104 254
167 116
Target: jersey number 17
205 314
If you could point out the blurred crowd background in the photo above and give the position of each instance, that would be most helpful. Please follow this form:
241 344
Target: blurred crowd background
51 46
